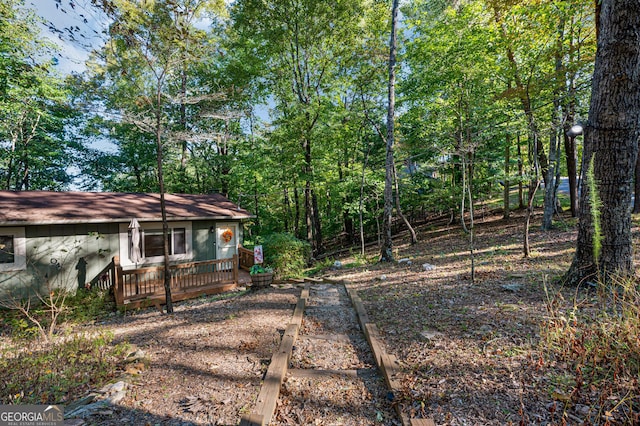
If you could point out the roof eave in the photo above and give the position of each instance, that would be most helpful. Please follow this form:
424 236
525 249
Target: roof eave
122 220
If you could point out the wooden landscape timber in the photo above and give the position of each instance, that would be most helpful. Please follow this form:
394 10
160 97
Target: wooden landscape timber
387 363
270 391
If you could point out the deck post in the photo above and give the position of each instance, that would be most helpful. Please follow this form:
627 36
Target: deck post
236 266
118 285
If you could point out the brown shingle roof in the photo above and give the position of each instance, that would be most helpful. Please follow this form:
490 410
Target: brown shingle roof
45 207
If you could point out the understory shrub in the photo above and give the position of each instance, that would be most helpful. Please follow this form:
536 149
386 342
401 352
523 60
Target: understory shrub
32 319
89 305
594 344
287 255
60 371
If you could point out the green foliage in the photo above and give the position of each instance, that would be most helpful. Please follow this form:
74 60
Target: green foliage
35 149
58 373
83 307
319 265
286 254
260 269
19 327
88 305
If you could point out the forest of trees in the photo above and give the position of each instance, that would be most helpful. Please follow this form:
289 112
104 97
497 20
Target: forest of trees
281 105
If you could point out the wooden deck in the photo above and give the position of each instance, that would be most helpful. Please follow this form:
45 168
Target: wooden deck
145 286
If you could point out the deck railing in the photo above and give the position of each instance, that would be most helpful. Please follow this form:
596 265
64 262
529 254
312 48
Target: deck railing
246 258
187 279
104 279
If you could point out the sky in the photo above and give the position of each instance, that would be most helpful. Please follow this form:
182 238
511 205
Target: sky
62 14
89 24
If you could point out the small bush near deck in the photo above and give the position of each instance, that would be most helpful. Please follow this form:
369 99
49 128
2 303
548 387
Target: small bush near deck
81 308
58 372
286 254
89 305
595 346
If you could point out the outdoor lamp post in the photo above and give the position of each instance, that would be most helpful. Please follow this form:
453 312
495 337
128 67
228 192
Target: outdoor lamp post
572 133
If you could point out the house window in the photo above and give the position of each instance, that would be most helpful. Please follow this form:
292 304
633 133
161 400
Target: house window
153 242
12 249
7 250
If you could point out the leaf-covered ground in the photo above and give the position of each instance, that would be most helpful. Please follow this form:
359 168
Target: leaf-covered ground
471 347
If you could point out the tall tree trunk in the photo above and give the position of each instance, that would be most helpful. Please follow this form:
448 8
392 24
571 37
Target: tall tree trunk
464 195
572 170
182 175
361 200
24 184
12 154
414 238
223 152
386 249
256 206
317 225
163 206
534 184
569 136
347 220
296 201
520 175
551 183
471 220
287 209
611 140
310 210
507 184
378 227
308 216
533 188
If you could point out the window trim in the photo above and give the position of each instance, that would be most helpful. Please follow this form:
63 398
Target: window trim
124 243
20 249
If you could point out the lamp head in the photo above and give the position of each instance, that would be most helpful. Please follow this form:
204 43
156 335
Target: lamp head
575 130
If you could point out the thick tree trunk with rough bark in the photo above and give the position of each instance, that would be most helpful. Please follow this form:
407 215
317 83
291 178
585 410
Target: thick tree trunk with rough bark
611 140
636 200
572 171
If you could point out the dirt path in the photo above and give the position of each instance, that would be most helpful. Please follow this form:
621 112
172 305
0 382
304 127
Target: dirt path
333 379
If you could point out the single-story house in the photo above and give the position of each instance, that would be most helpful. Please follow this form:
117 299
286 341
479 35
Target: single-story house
68 239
